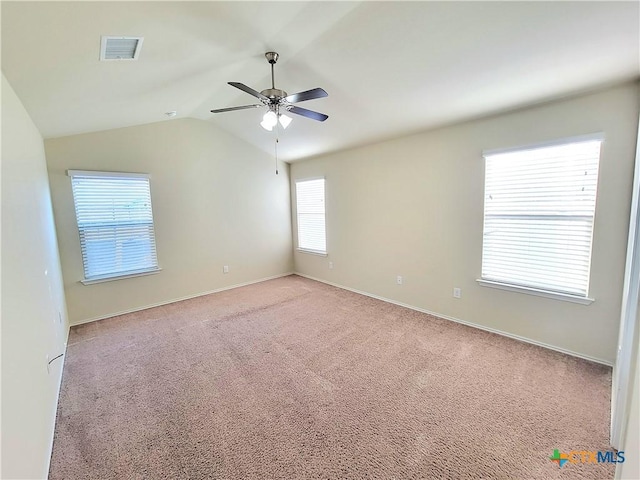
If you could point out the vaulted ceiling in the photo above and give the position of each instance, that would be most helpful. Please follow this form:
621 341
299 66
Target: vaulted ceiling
390 68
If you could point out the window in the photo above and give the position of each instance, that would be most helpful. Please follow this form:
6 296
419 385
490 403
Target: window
115 223
539 206
311 221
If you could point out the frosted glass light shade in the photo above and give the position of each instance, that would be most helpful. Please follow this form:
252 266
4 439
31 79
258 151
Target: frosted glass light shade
270 119
284 121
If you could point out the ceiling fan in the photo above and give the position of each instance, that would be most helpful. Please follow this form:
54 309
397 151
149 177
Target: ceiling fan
278 101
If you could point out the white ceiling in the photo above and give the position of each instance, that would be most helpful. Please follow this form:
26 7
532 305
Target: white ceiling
390 68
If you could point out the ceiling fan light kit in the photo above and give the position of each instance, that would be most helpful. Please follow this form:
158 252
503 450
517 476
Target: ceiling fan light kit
271 119
278 101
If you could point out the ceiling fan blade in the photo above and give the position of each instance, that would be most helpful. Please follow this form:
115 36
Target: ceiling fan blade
249 90
231 109
321 117
308 95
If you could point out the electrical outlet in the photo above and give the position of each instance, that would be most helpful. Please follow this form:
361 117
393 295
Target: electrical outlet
457 293
330 265
399 279
225 269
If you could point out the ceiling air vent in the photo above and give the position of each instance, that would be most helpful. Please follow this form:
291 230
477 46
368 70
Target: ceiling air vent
120 48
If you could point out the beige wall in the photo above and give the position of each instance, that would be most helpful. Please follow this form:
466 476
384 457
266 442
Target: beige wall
414 207
34 317
216 201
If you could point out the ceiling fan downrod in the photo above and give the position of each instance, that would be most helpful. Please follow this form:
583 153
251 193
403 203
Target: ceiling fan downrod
272 58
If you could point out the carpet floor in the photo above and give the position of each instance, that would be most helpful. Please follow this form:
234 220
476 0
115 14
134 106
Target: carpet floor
295 379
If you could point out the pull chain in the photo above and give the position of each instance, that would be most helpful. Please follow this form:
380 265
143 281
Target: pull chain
276 149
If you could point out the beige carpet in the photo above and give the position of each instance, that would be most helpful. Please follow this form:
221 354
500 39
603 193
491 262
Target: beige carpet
294 379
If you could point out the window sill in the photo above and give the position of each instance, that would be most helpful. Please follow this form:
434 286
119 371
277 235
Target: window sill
312 252
565 297
121 277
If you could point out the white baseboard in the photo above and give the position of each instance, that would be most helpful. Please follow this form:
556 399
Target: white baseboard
174 300
465 322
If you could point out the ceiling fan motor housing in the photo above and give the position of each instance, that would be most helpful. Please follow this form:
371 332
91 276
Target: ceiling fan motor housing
274 94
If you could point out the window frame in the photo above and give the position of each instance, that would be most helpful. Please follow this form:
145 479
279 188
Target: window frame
531 290
324 193
153 269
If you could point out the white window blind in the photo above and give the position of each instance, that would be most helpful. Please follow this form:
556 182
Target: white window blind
538 216
311 215
115 223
